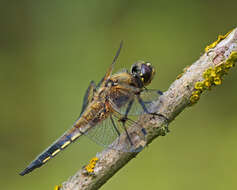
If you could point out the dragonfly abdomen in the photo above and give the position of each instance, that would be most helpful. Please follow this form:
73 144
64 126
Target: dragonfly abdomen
69 137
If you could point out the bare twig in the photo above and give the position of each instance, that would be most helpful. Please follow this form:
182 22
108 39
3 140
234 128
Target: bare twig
170 104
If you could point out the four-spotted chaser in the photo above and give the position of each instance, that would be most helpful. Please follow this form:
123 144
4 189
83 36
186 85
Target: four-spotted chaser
105 110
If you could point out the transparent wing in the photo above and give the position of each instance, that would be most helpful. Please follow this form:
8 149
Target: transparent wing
146 99
111 133
133 104
88 97
103 133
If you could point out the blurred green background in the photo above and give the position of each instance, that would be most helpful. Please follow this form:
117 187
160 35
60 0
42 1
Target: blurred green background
50 50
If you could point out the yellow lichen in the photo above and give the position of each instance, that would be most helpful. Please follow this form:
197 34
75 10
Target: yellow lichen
220 37
90 167
57 187
233 57
199 86
217 80
219 69
207 83
194 99
230 63
213 77
207 73
197 92
213 73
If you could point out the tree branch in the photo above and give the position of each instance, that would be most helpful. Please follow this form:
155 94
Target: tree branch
205 73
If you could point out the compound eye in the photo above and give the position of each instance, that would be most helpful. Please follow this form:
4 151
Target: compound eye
134 69
146 72
145 69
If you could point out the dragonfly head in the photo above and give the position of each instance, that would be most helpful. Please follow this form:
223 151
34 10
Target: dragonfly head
143 71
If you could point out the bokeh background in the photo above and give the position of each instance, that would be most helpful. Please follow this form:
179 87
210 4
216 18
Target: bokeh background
50 50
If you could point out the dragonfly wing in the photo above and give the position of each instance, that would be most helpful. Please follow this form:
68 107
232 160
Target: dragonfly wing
146 99
88 97
134 104
110 133
104 133
109 71
133 138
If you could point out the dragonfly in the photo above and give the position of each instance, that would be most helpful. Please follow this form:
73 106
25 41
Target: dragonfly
106 111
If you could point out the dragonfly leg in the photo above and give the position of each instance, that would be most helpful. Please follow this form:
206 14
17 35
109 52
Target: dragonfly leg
159 92
129 139
148 112
128 108
114 125
124 119
127 111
